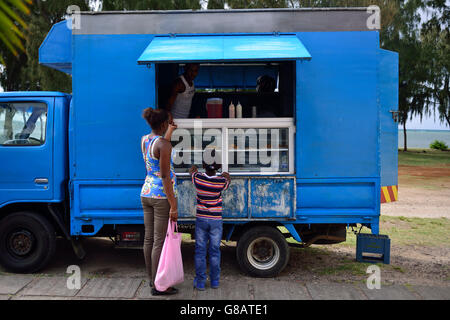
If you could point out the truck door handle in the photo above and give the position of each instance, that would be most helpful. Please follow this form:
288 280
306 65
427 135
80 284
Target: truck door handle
41 181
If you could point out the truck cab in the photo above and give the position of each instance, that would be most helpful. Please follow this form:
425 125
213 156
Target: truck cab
34 175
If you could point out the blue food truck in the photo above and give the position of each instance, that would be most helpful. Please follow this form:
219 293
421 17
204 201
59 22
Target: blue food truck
311 155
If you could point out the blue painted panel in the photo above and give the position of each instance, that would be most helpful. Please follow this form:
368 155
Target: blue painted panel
337 111
109 196
232 76
224 48
388 95
235 199
21 165
61 146
105 202
56 50
272 198
110 92
332 195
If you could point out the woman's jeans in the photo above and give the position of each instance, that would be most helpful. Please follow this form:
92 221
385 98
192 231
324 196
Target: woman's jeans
207 230
156 218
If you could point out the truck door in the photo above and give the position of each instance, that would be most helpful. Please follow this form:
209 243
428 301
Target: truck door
26 144
388 95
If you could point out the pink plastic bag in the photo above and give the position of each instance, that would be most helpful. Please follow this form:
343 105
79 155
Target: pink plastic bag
170 267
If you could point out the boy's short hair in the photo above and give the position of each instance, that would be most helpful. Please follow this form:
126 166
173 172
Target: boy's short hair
212 166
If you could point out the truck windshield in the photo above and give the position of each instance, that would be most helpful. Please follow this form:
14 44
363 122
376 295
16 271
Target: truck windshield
23 123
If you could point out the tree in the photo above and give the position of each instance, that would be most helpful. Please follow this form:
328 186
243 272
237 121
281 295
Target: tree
10 34
216 4
24 72
108 5
403 36
436 40
252 4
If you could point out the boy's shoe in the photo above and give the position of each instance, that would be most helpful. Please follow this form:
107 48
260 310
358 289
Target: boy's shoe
214 284
198 285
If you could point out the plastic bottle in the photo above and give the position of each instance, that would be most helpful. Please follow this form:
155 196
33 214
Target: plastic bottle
239 110
231 110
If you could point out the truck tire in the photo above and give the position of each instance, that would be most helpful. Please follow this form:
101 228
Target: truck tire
262 252
27 242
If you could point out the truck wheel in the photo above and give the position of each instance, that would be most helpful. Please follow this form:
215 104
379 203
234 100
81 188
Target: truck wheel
27 242
262 252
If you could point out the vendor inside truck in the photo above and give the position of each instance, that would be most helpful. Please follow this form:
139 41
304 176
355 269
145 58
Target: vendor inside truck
182 92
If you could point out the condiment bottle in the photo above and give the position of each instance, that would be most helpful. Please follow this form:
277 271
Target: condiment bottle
232 110
239 110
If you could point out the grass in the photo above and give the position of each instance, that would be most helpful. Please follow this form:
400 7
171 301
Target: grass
433 232
352 267
401 230
424 157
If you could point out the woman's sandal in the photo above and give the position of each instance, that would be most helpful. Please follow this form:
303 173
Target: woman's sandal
169 291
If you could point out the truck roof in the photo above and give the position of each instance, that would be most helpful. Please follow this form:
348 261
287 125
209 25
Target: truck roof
33 94
224 21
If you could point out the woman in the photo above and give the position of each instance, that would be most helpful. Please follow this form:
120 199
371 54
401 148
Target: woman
158 194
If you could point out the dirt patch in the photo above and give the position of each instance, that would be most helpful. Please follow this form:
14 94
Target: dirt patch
425 172
423 192
419 202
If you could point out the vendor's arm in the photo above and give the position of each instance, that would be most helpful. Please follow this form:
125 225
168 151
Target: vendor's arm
178 87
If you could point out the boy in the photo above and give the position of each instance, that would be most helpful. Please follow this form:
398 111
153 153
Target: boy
208 223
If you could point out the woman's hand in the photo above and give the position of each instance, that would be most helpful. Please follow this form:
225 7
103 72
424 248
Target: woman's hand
172 127
173 214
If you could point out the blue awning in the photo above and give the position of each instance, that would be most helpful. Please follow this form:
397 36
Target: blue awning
224 48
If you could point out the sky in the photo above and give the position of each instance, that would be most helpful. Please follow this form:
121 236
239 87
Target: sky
427 123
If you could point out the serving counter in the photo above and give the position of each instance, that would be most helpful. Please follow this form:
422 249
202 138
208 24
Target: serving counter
244 146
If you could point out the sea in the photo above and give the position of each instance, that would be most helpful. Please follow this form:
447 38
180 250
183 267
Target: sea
422 139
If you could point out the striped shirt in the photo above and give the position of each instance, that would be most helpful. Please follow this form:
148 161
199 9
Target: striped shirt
209 198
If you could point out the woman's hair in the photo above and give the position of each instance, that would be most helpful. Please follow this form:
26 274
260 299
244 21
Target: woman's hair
155 117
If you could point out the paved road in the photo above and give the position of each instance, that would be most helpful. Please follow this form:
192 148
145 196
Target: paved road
109 273
29 287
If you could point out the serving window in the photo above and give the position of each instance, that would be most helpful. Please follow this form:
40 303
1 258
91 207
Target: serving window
242 146
232 66
264 89
260 142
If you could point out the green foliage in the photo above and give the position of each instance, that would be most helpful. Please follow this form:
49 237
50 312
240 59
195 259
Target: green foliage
112 5
435 36
216 4
427 158
23 72
438 145
10 33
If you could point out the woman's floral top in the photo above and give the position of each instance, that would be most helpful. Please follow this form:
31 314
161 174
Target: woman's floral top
153 186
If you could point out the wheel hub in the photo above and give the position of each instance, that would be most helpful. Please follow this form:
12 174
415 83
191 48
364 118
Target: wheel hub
263 253
21 242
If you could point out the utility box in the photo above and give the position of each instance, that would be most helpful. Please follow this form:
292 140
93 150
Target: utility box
373 248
